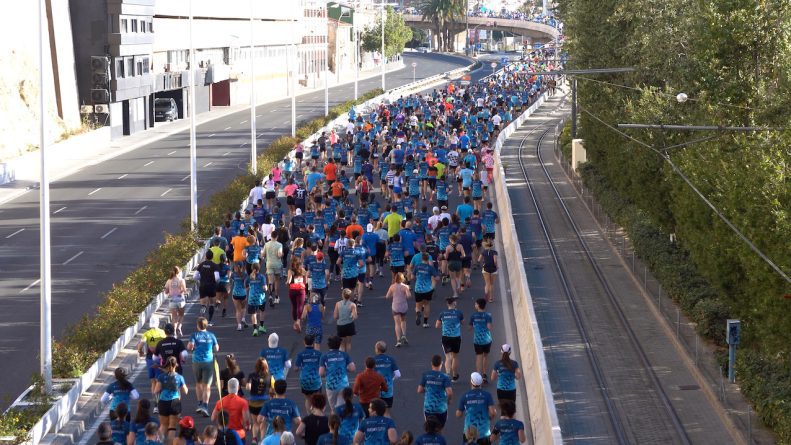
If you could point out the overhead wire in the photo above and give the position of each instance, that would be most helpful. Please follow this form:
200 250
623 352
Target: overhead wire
713 208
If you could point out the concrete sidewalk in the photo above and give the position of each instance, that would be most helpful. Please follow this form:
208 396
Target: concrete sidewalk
72 155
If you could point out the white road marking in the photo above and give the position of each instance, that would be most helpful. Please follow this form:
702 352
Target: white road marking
89 194
227 128
273 111
123 176
258 115
9 236
185 178
108 233
226 153
242 122
165 192
141 209
212 134
59 210
299 116
148 163
241 146
208 164
73 258
172 152
30 285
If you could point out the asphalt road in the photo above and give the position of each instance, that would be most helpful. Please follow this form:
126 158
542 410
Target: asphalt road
375 323
108 216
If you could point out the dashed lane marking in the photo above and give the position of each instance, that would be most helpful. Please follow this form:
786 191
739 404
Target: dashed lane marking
140 210
20 230
165 192
89 194
73 258
108 233
123 176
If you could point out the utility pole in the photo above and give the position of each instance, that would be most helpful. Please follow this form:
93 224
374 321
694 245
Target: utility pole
384 59
253 147
294 73
467 26
193 142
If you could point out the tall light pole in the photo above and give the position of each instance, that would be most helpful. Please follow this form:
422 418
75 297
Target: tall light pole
45 310
467 26
325 69
384 59
356 56
193 148
253 148
294 73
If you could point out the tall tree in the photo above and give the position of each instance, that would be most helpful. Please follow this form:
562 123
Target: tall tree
396 34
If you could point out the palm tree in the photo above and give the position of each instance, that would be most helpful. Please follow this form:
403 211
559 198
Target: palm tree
443 14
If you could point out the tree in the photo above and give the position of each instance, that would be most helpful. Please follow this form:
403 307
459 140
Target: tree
396 35
443 15
419 37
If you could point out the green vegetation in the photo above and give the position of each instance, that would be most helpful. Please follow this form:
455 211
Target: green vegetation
733 59
397 34
84 342
443 14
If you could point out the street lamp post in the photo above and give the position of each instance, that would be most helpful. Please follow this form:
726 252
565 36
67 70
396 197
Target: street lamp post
294 72
253 147
467 26
45 309
193 148
414 65
384 59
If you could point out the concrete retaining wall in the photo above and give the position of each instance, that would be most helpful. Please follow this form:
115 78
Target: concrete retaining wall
543 416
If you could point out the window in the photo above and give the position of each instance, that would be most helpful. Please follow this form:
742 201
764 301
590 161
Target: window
124 25
129 68
138 66
119 68
146 65
134 25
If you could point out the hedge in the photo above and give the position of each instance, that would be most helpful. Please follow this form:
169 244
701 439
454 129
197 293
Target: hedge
84 342
764 380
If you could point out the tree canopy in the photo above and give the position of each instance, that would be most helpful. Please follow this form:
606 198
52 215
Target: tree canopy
397 34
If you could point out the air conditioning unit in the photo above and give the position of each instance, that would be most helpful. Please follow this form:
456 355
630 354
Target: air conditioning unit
86 109
101 109
100 63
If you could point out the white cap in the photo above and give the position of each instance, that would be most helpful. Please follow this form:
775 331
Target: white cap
476 379
153 322
299 211
274 339
369 227
506 348
435 209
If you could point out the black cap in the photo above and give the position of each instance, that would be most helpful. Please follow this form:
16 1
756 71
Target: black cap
169 329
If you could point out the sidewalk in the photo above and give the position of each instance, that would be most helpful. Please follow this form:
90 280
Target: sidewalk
72 155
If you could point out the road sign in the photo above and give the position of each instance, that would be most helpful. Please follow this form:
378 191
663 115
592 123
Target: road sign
504 60
493 65
465 80
414 64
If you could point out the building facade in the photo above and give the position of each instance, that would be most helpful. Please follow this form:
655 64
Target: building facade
130 52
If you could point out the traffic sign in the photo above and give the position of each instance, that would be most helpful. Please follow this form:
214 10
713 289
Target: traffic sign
493 65
504 60
414 64
465 80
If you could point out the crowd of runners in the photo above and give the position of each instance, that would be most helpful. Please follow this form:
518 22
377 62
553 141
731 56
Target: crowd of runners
363 210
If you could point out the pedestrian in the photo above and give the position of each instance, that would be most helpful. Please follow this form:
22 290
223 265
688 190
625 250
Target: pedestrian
170 387
274 257
278 428
345 314
260 387
335 367
276 357
312 316
477 407
119 391
432 434
186 434
386 366
207 274
226 435
334 437
481 324
319 276
399 292
147 346
119 422
307 363
238 281
315 423
231 370
437 390
450 322
237 409
507 430
454 252
426 276
488 258
153 437
376 429
507 373
105 434
203 345
280 406
296 280
176 290
369 384
142 417
256 284
170 346
223 284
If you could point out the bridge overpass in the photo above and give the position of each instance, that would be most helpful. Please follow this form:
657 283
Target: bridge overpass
532 31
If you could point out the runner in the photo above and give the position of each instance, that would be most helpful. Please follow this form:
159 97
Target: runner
239 294
450 322
256 283
307 363
207 273
121 391
274 257
488 258
436 385
399 292
369 384
147 346
477 407
276 357
203 345
223 284
432 436
351 414
388 368
260 387
334 367
425 275
237 408
507 373
296 280
481 324
313 316
507 430
280 406
170 387
345 314
376 429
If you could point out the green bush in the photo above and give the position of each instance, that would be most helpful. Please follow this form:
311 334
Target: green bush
764 380
565 141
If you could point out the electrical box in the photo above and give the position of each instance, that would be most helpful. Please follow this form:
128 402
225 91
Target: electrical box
734 332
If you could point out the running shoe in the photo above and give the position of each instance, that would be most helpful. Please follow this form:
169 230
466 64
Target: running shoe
404 341
380 273
262 329
155 410
271 302
211 323
418 317
239 327
455 378
425 325
255 332
244 324
485 379
359 304
224 312
398 344
277 299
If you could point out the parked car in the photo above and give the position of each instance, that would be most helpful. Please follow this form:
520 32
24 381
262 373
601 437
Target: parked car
423 49
165 109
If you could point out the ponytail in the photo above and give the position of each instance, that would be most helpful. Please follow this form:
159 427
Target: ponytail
348 407
507 362
334 424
